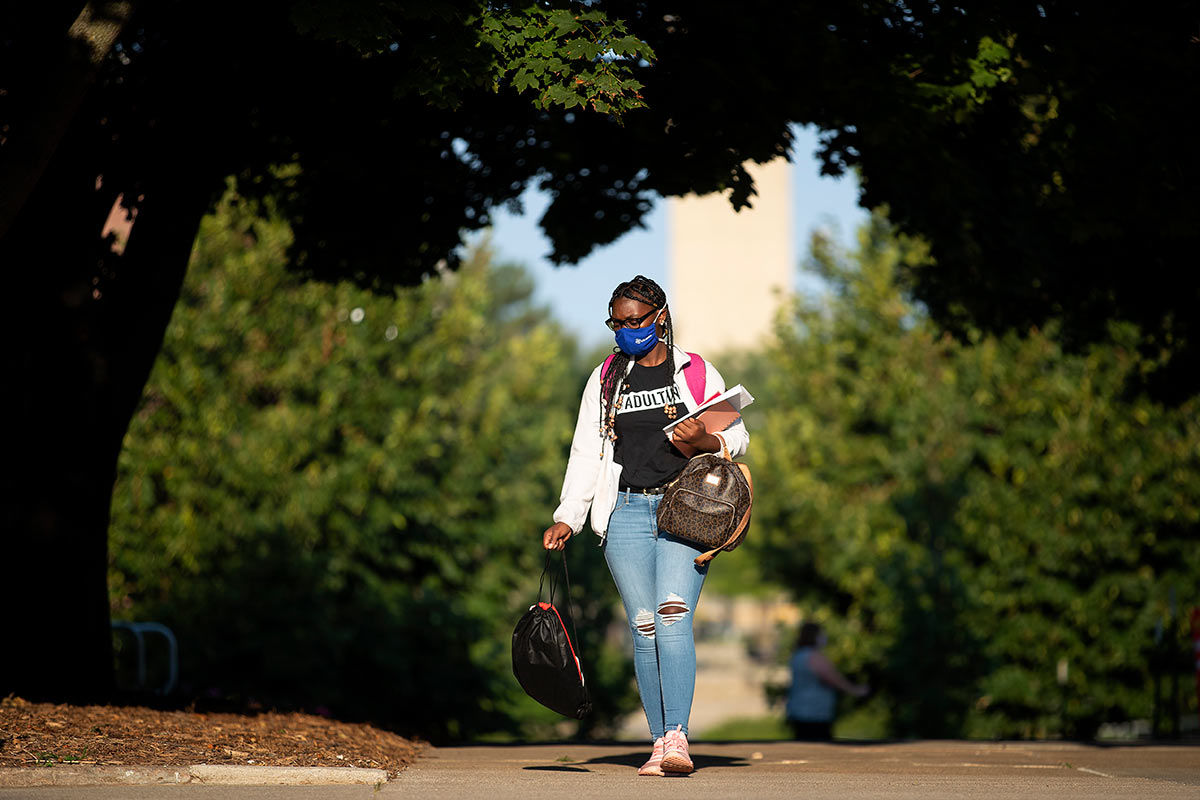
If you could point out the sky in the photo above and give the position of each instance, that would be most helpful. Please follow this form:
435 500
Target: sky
578 295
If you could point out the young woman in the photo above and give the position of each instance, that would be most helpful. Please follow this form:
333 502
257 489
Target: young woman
620 463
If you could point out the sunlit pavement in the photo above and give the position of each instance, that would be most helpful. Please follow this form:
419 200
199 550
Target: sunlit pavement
750 770
948 769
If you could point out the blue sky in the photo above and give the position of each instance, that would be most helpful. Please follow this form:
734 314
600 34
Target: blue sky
578 295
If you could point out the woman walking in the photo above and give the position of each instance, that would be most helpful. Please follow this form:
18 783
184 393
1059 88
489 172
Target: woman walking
620 463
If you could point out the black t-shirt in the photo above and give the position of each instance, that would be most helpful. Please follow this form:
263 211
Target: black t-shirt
647 458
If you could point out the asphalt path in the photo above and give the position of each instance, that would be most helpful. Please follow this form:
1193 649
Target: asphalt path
846 771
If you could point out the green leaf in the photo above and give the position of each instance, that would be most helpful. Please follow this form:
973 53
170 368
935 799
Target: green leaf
564 22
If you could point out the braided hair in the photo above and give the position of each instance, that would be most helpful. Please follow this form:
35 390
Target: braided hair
614 384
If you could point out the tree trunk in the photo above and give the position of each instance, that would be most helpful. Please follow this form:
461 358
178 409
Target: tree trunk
85 326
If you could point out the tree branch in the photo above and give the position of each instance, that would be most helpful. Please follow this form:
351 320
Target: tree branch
30 148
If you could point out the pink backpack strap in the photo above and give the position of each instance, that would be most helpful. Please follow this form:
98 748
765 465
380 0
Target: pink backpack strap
696 376
604 366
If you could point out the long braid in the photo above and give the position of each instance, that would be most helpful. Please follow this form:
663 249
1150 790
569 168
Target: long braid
613 383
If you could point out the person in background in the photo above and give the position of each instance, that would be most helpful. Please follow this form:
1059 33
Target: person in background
815 681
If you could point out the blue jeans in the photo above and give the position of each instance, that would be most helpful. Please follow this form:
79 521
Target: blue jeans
659 586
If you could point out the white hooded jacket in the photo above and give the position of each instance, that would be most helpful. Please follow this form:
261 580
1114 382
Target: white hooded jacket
593 476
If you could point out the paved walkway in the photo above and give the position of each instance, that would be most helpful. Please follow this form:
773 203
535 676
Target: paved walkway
935 769
959 770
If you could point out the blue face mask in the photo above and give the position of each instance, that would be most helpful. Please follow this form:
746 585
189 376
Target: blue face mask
636 342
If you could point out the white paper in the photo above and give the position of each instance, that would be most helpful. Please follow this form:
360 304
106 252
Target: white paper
738 397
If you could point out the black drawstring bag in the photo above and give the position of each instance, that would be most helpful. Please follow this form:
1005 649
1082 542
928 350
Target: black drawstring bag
544 657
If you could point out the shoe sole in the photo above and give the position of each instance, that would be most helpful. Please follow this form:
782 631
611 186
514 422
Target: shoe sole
677 766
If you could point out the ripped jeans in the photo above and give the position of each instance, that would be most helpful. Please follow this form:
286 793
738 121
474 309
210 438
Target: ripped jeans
659 586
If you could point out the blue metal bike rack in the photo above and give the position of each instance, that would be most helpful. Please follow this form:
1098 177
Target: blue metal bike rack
139 630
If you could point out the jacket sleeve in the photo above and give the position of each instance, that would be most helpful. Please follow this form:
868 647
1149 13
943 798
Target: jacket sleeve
584 463
736 437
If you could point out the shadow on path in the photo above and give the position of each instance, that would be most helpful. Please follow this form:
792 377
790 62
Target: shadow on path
637 758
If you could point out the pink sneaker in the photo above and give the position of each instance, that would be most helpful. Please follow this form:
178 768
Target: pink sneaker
654 765
676 760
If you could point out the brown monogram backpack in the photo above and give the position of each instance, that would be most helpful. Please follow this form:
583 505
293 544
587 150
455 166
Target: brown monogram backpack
709 503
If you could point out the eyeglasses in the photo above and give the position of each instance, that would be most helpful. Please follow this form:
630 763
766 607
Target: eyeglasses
632 322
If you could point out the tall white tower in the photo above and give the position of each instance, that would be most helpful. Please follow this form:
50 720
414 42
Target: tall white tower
728 272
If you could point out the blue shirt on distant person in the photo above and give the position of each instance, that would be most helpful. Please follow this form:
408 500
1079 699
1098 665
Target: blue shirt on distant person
810 698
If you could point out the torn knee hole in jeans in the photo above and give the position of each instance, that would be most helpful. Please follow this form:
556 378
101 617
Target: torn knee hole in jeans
672 609
643 622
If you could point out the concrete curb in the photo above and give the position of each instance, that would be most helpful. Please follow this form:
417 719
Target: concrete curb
91 776
284 776
204 774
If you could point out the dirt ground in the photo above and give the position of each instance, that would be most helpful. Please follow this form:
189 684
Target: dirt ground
43 734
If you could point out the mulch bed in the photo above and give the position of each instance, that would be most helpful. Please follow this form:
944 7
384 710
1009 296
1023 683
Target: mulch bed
44 734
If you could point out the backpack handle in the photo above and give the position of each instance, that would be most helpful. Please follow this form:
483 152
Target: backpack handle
724 446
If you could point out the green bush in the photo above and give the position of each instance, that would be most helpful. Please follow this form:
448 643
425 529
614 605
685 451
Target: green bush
335 498
964 515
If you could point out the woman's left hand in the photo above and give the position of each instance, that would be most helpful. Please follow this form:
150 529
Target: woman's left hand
694 433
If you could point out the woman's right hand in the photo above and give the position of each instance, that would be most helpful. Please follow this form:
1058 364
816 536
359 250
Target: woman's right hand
555 537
